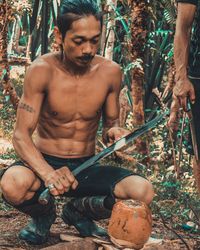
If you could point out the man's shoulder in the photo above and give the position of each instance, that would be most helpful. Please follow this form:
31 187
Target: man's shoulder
41 65
110 71
107 65
195 2
40 71
45 61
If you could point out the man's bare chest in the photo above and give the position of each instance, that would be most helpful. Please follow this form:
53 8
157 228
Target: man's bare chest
80 98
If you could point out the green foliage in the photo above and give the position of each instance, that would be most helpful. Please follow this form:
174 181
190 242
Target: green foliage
159 49
174 201
169 11
7 120
7 113
10 154
158 57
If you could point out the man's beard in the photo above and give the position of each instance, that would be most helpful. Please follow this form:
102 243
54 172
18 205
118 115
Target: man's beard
86 58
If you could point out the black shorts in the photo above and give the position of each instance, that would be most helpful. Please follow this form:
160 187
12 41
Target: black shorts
196 116
96 180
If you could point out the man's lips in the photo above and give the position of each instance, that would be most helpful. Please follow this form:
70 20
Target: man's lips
85 59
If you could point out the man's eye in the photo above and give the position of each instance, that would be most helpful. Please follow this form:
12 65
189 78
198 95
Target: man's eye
95 41
78 42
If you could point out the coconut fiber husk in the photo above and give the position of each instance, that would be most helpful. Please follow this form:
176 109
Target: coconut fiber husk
130 224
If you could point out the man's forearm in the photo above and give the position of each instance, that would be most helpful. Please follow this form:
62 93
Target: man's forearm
181 53
26 149
106 126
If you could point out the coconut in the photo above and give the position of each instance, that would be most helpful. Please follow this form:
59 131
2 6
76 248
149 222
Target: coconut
130 224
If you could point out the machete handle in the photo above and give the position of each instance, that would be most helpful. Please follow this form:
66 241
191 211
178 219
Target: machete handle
44 197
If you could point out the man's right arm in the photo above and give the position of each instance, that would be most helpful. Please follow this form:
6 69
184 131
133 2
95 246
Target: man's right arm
27 117
35 86
183 87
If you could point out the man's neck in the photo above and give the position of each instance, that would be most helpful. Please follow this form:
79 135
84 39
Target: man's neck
74 69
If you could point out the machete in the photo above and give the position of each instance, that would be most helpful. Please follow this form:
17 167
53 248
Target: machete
45 195
192 131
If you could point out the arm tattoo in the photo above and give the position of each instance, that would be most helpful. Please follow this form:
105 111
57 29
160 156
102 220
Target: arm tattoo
26 107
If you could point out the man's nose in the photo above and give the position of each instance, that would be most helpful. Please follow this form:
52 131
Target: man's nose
88 48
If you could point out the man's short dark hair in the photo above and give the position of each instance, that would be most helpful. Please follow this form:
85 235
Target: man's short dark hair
72 10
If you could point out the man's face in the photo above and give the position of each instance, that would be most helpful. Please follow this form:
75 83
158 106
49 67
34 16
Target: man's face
81 42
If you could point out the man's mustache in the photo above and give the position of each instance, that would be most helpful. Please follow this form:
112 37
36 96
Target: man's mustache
86 57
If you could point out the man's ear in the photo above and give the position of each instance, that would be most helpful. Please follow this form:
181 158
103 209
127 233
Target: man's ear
58 35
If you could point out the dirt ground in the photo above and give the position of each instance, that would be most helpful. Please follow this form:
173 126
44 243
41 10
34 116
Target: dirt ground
11 221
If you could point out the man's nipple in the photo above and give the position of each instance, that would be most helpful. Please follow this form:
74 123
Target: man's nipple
54 113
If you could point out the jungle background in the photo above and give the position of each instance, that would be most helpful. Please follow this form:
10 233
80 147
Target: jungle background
139 36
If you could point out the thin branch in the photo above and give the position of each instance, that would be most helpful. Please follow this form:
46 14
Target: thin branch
174 153
172 230
195 214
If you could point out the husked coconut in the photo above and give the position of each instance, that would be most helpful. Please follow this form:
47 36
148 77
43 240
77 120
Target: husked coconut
130 224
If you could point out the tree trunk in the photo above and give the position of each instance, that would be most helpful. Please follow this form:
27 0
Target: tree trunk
8 89
103 32
45 26
16 37
170 80
110 34
139 19
173 122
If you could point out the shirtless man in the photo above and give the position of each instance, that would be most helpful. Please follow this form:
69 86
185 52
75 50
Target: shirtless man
64 96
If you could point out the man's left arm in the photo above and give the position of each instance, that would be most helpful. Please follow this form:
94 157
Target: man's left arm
111 130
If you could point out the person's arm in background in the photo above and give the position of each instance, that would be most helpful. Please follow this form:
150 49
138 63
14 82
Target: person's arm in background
183 87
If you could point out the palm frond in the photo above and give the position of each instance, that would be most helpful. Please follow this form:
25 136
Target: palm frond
169 11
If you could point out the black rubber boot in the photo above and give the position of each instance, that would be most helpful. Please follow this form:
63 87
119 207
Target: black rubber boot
82 211
37 230
94 207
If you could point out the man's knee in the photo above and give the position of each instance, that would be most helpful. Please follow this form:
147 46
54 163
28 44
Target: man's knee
148 192
15 185
143 191
135 187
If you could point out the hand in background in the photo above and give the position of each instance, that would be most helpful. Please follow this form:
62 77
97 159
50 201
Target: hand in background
184 90
116 133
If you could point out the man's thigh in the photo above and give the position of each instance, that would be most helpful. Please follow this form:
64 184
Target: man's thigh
99 180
